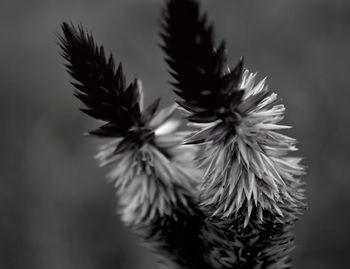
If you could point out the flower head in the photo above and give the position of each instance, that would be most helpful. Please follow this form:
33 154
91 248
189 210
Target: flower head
247 161
151 165
244 156
153 172
251 187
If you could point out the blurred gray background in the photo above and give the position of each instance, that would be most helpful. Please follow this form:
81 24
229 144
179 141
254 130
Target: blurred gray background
57 210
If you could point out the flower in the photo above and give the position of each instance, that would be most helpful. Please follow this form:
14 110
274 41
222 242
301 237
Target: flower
153 172
247 161
251 187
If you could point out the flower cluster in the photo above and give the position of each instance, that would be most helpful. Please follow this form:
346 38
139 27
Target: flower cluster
224 195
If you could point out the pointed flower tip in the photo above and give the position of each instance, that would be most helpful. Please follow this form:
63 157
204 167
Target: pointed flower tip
237 71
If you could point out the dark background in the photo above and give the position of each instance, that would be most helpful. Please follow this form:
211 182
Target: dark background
56 209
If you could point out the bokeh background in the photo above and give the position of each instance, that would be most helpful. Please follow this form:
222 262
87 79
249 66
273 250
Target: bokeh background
56 209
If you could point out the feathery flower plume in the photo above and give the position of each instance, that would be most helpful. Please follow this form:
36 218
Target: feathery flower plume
251 189
153 174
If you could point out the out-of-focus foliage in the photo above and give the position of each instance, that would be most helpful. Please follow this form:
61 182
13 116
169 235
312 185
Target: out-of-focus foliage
57 211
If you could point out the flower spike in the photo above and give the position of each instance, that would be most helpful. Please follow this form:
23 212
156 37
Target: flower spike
153 173
251 188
